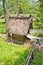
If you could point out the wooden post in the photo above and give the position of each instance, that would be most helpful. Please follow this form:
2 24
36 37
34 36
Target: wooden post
32 56
11 37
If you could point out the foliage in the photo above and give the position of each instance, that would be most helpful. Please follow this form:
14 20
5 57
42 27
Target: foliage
19 6
41 9
38 24
26 7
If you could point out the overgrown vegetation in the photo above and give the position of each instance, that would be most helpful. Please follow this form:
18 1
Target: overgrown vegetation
38 58
12 54
38 24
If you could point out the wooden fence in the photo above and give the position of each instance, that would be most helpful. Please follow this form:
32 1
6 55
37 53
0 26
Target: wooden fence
30 55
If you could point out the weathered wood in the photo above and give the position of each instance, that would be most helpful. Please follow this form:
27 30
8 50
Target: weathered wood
29 55
34 37
32 56
38 40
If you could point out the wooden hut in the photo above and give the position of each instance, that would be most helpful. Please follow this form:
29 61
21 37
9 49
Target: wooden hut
18 27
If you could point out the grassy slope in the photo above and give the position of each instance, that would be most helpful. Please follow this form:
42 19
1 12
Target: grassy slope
12 54
38 58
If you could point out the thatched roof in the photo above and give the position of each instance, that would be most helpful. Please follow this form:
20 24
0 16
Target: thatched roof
19 24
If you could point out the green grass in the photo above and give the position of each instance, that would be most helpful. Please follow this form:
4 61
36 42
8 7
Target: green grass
12 54
38 58
2 26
